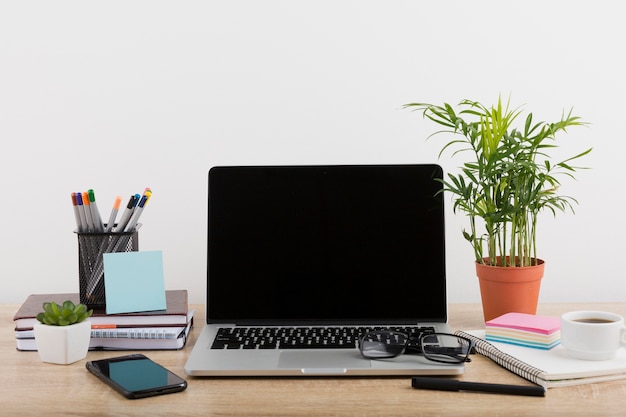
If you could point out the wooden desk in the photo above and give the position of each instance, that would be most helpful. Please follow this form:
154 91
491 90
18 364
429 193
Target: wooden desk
30 387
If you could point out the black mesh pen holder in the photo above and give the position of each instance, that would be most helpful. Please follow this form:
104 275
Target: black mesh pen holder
91 247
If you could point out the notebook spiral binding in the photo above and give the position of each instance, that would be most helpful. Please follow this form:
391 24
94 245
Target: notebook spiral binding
505 360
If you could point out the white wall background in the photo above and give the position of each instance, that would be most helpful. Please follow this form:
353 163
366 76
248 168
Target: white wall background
121 95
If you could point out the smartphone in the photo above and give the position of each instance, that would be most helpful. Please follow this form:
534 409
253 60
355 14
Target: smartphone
136 376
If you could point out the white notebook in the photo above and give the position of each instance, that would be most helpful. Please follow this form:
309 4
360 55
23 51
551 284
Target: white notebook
549 368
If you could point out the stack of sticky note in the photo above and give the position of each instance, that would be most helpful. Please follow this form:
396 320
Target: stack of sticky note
540 332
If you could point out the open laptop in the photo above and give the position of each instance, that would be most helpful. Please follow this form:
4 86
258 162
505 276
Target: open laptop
309 248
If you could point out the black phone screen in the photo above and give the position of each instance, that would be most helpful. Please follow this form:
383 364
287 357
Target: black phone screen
136 376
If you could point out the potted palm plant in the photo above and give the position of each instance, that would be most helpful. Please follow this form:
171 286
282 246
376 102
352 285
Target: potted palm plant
63 332
504 186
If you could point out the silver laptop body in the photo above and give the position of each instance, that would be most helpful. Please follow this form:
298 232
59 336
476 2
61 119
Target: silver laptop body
321 247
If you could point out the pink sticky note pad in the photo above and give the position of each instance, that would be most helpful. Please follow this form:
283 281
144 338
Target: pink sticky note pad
527 322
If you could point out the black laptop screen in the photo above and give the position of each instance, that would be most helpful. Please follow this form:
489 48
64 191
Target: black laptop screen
326 244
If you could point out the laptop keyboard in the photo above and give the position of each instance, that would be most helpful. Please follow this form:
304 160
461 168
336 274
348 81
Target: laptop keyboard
301 337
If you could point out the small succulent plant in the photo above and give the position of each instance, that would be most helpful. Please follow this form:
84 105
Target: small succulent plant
63 315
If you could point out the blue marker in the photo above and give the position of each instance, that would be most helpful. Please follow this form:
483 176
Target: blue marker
81 212
136 213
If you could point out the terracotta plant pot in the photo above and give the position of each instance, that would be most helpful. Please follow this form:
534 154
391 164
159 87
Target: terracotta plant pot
509 289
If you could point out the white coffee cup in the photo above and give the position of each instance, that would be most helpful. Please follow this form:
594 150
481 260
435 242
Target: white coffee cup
592 335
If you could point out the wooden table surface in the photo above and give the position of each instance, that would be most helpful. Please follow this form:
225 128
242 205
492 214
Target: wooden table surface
30 387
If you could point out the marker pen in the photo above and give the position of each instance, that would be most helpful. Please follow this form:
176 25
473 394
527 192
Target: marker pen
136 213
87 209
113 215
95 213
79 226
121 225
81 212
455 385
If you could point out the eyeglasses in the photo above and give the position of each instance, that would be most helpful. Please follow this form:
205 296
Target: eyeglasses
438 347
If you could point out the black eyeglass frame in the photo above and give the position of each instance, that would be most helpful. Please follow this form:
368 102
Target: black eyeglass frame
420 348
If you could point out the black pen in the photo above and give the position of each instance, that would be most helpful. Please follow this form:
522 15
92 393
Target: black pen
454 385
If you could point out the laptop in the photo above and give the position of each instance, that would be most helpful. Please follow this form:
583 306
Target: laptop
294 250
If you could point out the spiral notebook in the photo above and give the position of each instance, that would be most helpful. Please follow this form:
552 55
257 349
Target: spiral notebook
549 368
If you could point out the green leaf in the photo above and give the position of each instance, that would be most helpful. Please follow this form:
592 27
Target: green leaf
54 308
66 312
80 309
47 307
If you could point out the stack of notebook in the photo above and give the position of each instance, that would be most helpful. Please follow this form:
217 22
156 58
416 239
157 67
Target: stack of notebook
540 332
165 329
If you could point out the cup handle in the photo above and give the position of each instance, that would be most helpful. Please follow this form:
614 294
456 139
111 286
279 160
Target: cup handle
621 339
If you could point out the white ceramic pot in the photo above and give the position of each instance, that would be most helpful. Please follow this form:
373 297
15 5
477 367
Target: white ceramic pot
63 344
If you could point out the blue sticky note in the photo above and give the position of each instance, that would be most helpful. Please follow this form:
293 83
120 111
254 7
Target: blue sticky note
133 282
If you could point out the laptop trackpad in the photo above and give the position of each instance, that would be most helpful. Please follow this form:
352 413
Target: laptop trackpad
322 362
